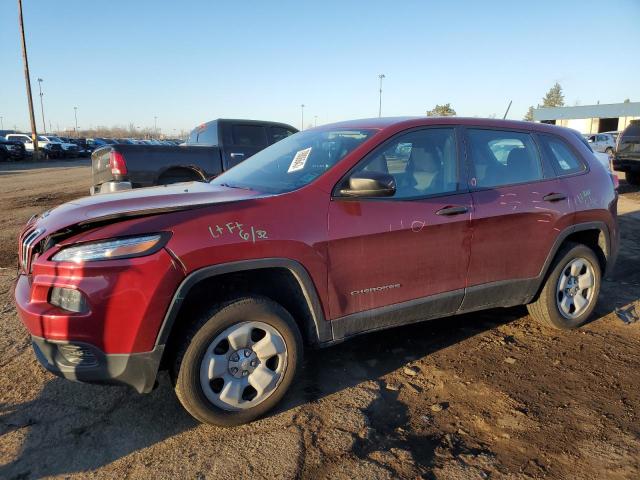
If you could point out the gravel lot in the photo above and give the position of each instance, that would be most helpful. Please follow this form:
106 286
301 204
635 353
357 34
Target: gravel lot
490 394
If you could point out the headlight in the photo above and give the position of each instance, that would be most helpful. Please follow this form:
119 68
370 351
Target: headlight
117 248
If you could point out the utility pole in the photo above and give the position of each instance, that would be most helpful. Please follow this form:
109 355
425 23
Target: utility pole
315 120
75 114
44 125
381 76
302 117
27 79
1 122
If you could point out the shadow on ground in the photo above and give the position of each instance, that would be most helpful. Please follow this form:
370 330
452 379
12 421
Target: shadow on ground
74 427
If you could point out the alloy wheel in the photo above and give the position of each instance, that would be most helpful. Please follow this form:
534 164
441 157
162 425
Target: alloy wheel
576 288
243 365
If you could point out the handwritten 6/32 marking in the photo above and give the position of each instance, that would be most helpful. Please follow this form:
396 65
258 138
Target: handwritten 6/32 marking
247 233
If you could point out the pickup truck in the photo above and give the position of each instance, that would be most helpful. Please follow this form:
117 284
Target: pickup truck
627 156
211 149
52 150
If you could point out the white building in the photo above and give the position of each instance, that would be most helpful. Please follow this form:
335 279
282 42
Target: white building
590 118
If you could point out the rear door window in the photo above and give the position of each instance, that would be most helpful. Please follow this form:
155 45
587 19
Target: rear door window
564 160
249 135
501 157
278 133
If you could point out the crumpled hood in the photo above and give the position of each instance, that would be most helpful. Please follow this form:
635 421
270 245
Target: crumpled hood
138 202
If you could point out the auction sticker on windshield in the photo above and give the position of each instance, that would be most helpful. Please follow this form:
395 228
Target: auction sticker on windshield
299 160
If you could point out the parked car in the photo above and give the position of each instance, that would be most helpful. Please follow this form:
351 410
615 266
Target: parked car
100 142
331 233
11 150
213 147
85 149
69 149
627 157
52 150
602 142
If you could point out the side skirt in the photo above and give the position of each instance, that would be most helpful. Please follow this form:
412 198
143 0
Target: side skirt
404 313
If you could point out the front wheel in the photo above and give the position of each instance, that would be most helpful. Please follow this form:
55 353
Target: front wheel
237 362
571 290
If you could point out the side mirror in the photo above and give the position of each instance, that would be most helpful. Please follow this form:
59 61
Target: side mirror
590 140
369 184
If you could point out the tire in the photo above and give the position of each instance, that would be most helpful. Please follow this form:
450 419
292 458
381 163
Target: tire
211 382
548 307
633 178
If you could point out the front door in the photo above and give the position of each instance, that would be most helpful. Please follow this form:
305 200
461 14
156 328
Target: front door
396 251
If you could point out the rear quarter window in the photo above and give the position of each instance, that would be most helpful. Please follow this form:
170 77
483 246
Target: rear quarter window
564 160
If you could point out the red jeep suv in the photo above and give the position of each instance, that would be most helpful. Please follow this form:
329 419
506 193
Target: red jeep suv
329 233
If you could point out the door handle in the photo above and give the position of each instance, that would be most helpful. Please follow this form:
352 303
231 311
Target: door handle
449 211
554 197
235 155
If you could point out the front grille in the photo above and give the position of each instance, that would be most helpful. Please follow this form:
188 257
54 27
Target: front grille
26 247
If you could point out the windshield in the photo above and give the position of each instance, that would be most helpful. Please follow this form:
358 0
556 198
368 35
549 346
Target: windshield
293 162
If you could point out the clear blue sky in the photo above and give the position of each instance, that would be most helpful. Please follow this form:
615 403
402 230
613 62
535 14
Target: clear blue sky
193 61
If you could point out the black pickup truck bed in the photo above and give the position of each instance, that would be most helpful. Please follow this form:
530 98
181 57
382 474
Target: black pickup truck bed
149 165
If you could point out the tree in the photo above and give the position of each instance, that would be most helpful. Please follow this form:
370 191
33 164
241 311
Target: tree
626 100
442 111
554 97
528 117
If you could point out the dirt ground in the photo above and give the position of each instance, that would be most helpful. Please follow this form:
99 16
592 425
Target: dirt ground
485 395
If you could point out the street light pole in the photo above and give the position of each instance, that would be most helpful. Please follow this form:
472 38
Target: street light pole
44 124
1 123
315 120
27 79
75 114
302 117
381 76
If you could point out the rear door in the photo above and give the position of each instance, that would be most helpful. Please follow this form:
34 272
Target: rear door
519 208
241 141
413 245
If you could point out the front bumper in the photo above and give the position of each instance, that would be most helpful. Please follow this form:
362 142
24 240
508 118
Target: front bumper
82 362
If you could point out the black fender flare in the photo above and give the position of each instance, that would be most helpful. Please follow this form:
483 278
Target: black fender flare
197 171
321 329
610 256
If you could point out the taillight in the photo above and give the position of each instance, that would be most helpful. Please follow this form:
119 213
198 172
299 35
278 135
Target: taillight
117 164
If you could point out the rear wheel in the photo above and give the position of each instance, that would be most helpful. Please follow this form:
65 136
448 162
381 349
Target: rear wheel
178 175
237 362
633 178
571 290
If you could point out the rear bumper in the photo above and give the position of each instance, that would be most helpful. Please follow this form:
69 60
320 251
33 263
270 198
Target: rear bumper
110 187
82 362
626 164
